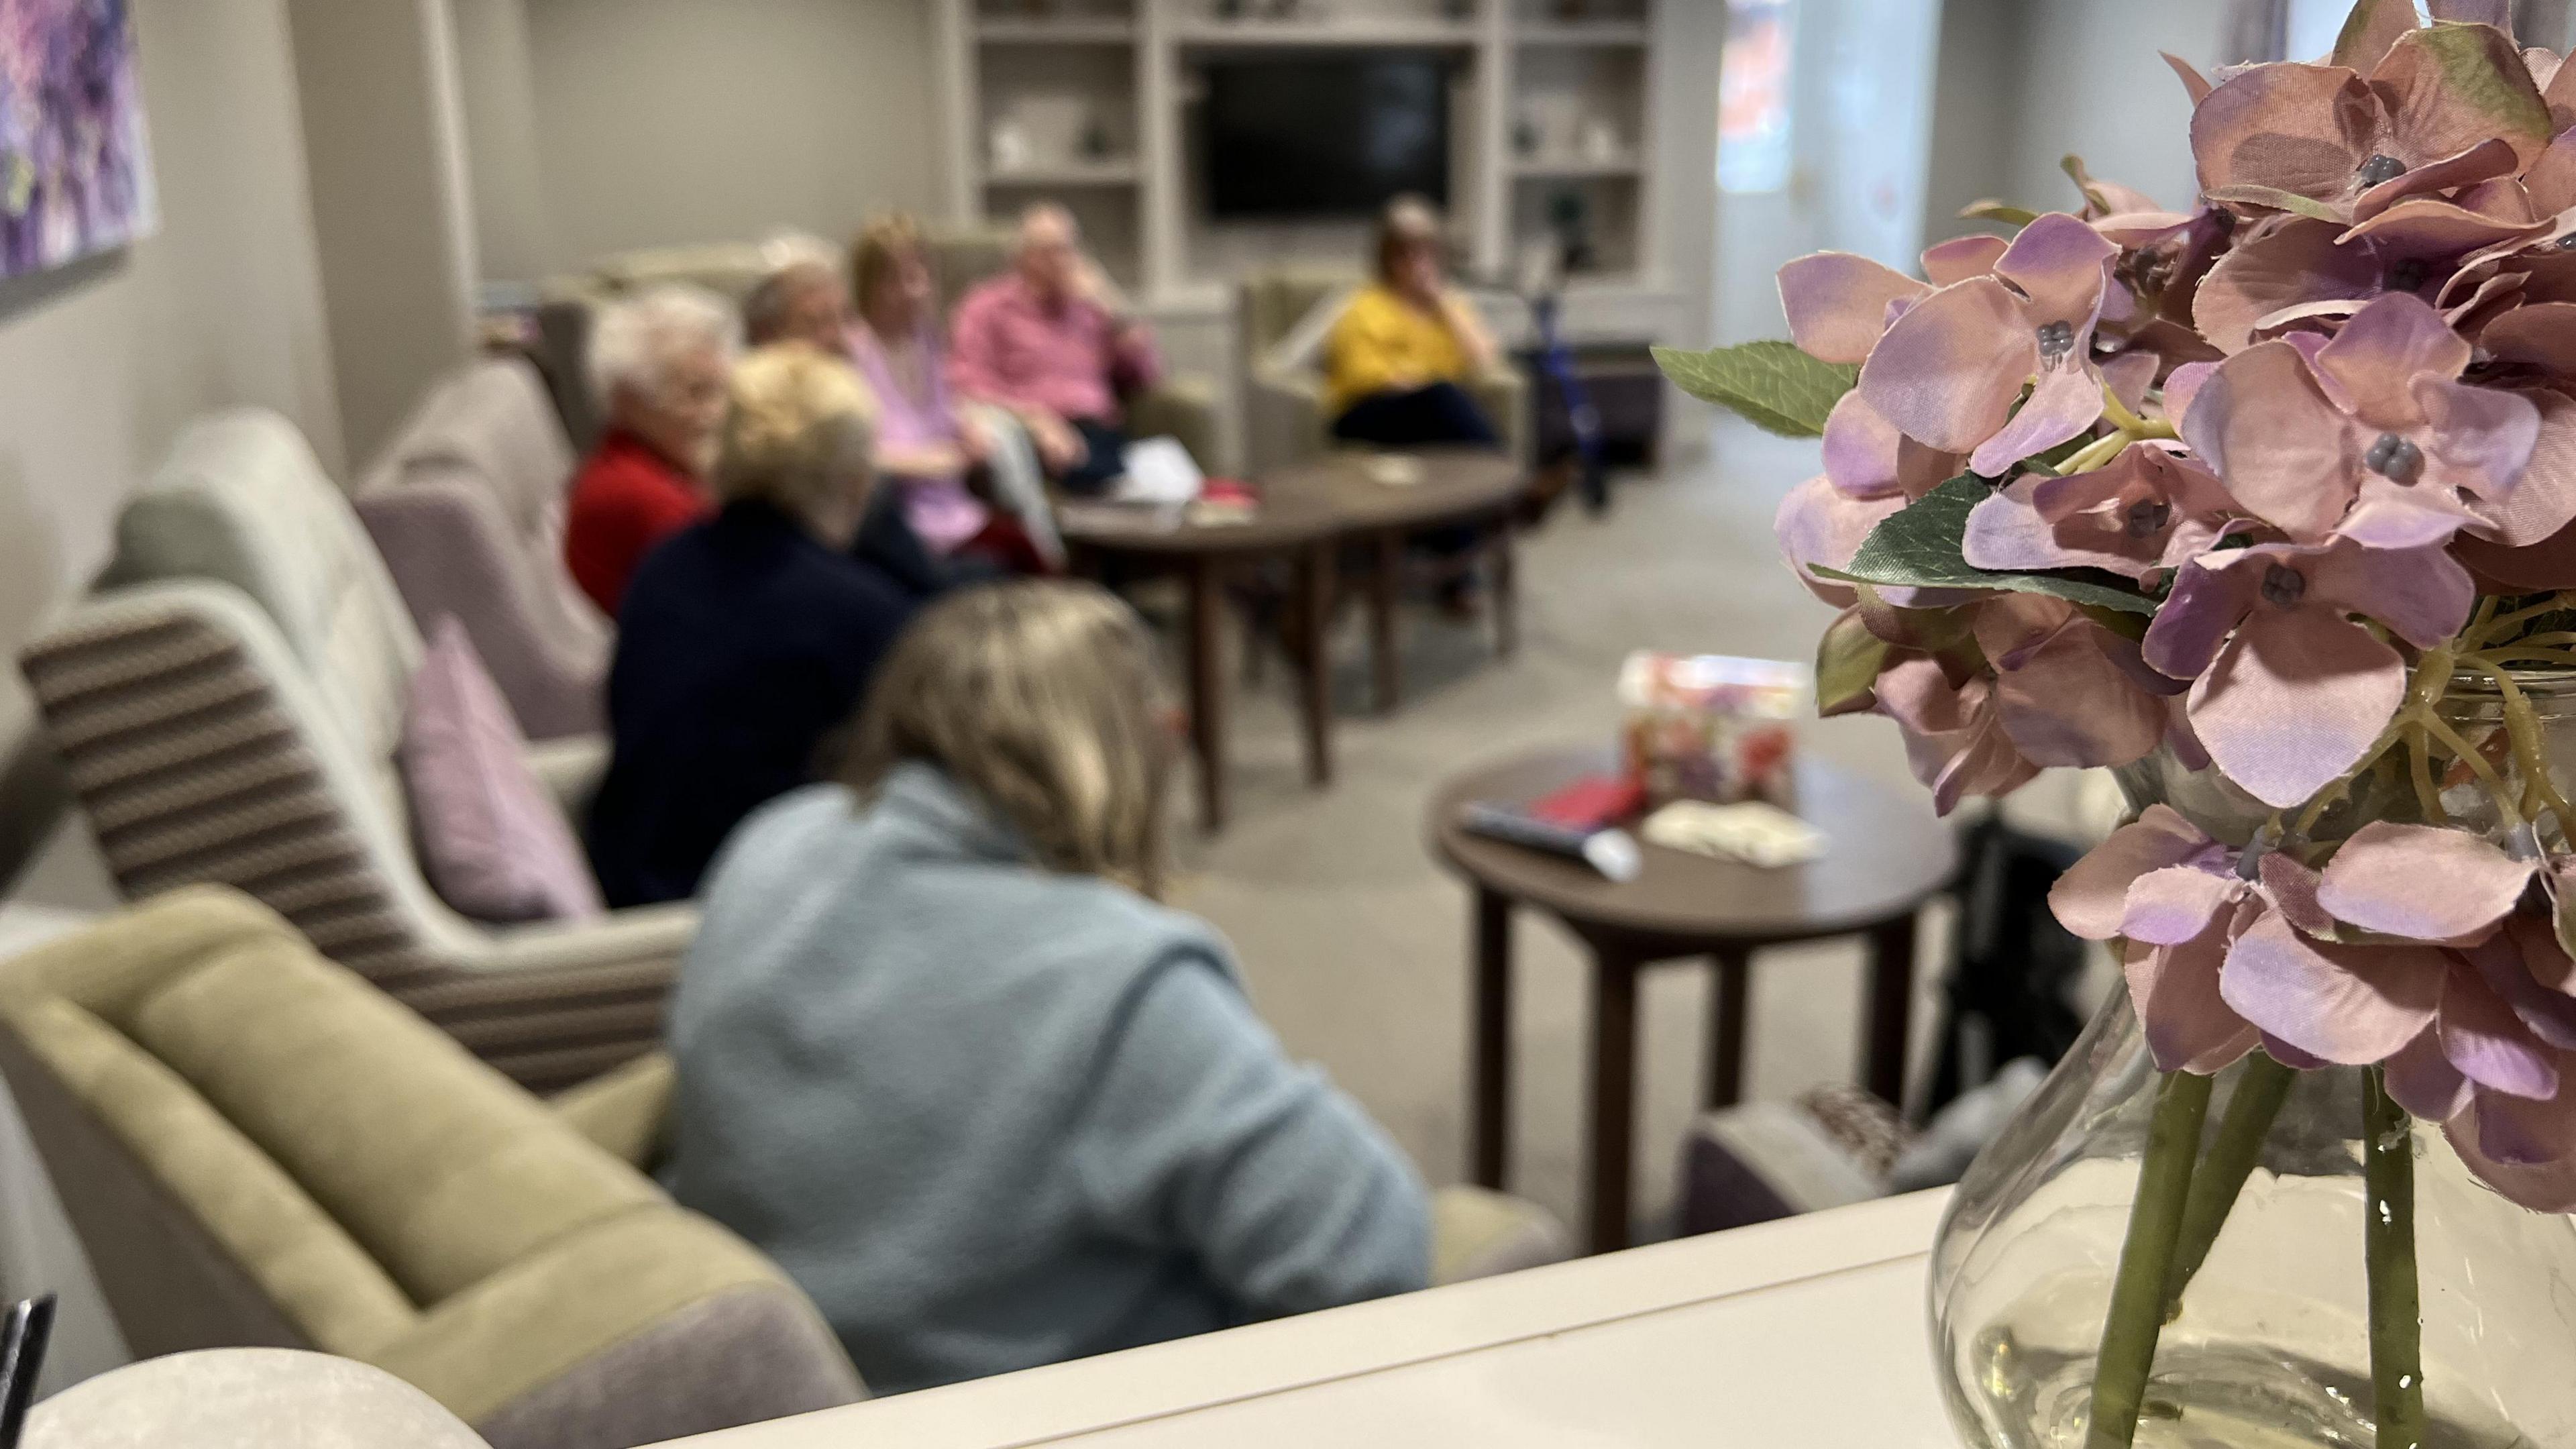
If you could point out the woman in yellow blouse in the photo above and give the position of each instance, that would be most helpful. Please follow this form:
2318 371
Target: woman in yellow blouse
1401 349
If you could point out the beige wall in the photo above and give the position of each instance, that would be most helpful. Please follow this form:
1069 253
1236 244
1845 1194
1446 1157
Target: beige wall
2025 82
100 364
384 143
663 122
496 75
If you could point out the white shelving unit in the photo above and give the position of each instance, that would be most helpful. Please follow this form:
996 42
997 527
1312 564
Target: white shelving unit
1552 127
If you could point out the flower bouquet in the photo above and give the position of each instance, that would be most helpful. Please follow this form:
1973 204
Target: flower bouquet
2269 504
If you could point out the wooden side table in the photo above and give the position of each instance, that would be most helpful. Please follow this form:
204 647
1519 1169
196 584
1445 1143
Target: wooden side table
1299 527
1887 856
1473 488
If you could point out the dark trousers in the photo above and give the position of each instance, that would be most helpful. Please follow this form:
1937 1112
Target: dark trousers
1440 413
1106 462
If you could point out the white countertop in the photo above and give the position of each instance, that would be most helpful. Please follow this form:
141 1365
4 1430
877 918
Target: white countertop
1809 1332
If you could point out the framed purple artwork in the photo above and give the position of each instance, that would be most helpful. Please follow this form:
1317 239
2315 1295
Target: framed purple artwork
75 162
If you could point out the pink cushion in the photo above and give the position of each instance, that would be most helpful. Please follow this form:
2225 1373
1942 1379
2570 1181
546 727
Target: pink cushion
491 840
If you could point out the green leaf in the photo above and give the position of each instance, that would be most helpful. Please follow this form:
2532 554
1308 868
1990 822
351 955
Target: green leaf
2073 166
1921 547
2479 68
1992 210
1848 659
2277 199
1772 385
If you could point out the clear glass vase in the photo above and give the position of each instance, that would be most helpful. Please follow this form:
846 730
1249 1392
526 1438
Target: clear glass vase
2272 1344
2269 1343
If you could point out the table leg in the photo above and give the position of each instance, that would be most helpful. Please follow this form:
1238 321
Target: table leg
1730 1007
1614 1097
1492 1049
1207 689
1314 611
1891 1007
1507 594
1386 576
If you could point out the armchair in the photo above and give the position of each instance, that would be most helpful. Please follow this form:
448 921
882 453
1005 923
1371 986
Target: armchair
1283 398
229 711
467 508
1180 407
259 1150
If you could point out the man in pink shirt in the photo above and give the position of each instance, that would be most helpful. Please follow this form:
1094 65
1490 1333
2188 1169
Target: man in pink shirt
1050 341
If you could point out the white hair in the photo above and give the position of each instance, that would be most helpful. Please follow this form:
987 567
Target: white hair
636 337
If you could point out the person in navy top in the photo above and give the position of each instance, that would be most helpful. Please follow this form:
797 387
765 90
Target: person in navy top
746 639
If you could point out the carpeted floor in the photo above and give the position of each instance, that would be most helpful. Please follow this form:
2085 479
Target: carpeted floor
1355 942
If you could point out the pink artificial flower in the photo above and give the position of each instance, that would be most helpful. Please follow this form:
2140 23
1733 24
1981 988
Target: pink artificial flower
2422 903
2056 689
2287 692
2368 435
2463 994
1838 306
2294 270
1953 365
2148 511
2175 897
2357 144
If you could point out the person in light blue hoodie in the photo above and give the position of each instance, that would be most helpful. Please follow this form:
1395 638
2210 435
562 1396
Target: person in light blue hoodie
943 1056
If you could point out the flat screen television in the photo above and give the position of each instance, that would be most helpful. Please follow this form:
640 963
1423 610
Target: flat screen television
1324 135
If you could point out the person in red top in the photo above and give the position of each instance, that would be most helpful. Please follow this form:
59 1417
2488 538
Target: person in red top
661 362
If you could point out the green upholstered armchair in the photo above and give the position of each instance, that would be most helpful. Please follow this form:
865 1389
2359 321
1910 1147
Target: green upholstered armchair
1283 398
258 1149
1180 406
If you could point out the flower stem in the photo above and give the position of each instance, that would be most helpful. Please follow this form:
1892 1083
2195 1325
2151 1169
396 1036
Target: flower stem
2419 765
2096 454
2262 1084
2468 755
2122 416
2522 728
2388 1236
2136 1316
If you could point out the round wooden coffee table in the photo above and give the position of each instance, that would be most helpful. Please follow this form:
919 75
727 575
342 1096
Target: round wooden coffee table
1886 856
1466 487
1299 526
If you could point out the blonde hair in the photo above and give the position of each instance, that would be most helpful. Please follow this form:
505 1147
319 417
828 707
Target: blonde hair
800 423
874 251
1040 696
1408 222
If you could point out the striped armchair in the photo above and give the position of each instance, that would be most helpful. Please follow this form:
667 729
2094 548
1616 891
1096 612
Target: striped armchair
467 508
228 711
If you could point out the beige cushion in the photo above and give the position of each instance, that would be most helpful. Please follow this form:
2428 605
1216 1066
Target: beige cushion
383 1195
242 500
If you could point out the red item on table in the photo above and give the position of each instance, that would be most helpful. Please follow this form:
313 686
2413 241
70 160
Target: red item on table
1589 803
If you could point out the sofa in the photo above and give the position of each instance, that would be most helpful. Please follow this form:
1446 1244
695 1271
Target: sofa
1283 395
466 506
261 1150
228 710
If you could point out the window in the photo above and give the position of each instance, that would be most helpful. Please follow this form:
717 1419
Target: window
1753 95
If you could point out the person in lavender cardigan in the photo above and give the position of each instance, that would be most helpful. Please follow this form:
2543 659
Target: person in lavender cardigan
929 450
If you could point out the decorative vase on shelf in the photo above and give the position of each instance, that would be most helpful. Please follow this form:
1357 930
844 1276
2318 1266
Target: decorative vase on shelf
2269 505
